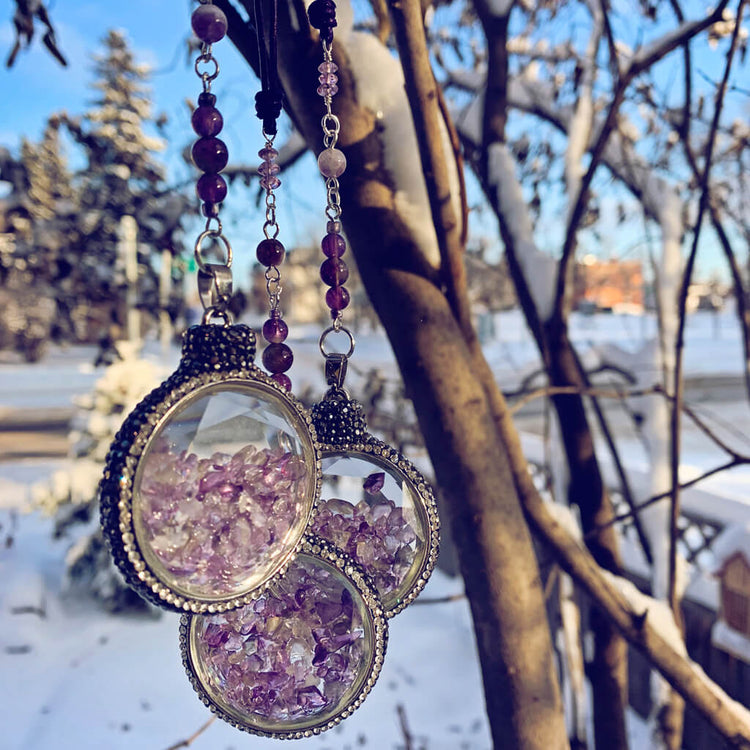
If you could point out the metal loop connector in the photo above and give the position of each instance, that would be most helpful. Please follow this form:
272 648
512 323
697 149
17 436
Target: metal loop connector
215 286
206 59
217 235
336 366
336 329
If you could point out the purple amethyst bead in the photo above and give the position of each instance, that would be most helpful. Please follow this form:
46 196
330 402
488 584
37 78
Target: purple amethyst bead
275 330
209 23
334 272
211 188
270 252
283 380
337 298
277 358
333 245
210 154
207 121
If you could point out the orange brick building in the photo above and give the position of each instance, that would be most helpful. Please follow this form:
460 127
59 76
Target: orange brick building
608 284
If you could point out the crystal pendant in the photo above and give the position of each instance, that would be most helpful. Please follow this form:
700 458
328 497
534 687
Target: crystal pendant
298 659
374 504
212 480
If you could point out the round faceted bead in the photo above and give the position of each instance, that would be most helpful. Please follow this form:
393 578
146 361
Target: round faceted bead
209 23
277 358
331 162
268 169
275 330
268 153
210 154
337 298
211 210
334 272
207 121
282 380
333 245
328 79
211 188
270 182
328 67
326 90
270 252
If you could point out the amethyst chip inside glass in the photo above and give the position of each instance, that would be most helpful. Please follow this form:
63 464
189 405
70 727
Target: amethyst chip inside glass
292 659
372 513
223 493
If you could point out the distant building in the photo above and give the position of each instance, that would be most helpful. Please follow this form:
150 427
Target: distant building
731 632
608 285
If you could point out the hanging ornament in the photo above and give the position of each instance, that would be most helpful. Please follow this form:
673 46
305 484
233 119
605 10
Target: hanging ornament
375 505
212 480
297 660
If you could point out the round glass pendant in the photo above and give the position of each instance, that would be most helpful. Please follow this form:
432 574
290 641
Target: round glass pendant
374 504
212 480
298 659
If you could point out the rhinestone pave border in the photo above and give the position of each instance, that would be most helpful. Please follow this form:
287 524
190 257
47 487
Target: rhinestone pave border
211 355
323 550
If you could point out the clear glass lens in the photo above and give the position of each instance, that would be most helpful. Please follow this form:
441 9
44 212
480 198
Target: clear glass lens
372 511
293 659
223 491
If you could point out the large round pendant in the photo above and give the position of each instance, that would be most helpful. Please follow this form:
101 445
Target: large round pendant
212 480
298 659
374 504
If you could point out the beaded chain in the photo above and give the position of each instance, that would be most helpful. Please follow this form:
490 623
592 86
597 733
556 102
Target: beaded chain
277 356
334 271
210 155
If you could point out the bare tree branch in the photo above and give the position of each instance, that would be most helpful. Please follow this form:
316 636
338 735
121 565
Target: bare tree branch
682 308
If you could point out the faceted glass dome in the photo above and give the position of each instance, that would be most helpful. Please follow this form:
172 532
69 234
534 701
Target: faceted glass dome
295 658
224 490
374 513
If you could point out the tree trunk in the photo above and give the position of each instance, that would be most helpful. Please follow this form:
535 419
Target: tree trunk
608 670
495 550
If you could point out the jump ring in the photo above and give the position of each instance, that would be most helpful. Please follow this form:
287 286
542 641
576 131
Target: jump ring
333 329
217 235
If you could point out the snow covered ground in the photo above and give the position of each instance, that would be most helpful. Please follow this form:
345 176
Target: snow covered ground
76 678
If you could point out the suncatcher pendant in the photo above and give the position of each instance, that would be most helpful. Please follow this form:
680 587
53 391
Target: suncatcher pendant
374 504
212 480
297 660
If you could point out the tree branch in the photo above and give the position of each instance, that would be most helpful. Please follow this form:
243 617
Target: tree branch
682 307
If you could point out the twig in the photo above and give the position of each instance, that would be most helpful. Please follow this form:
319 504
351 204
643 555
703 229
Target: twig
441 599
408 738
664 495
682 308
189 741
640 63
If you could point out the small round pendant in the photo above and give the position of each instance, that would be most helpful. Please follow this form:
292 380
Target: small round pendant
212 480
298 659
374 504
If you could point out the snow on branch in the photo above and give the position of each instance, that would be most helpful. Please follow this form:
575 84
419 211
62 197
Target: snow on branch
539 269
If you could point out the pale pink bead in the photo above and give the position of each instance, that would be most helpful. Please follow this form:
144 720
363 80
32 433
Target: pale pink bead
328 67
328 79
332 162
325 90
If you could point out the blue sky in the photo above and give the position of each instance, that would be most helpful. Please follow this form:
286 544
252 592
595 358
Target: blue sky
37 86
157 30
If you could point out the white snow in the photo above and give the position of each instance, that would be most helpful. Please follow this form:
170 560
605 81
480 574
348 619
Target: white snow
380 88
658 614
539 269
733 540
730 640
